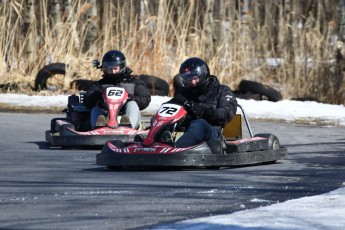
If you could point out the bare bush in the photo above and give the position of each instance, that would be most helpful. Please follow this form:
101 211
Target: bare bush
237 38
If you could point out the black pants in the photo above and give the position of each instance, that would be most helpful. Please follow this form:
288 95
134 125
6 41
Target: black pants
198 131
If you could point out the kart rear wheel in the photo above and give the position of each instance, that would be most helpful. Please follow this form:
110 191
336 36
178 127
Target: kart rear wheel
273 142
53 126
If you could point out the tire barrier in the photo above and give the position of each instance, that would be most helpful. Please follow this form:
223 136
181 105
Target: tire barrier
157 86
46 72
262 90
247 90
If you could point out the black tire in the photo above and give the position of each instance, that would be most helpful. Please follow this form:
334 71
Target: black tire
114 168
53 122
46 72
264 90
56 127
118 143
306 98
177 83
81 84
156 85
213 167
273 142
58 68
247 90
9 87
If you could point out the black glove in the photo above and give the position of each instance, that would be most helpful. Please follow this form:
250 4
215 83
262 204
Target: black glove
198 110
102 104
181 126
131 97
179 99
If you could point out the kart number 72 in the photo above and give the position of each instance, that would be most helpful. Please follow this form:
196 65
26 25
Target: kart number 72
168 110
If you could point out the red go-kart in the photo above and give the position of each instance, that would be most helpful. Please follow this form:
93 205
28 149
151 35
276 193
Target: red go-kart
153 151
75 130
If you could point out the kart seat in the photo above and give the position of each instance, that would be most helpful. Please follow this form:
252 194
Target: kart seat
233 129
75 103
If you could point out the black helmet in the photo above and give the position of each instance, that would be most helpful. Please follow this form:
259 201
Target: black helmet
111 60
194 74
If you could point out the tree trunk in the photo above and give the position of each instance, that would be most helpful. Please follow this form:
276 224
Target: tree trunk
29 28
68 10
341 19
91 30
340 52
56 11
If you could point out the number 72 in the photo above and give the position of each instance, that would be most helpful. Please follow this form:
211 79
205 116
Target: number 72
167 110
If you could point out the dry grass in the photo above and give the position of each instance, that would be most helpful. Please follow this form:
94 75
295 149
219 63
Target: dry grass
32 109
157 36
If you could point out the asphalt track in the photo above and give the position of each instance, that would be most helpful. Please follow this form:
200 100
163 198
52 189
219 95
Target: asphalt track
44 188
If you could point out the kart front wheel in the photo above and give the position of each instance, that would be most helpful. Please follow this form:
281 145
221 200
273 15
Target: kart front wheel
114 168
213 167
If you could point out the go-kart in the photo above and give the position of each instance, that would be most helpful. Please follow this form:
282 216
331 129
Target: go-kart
231 150
75 129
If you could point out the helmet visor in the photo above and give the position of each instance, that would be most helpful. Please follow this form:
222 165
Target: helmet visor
113 67
189 79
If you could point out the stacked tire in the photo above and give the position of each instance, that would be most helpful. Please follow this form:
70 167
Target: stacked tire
156 85
247 90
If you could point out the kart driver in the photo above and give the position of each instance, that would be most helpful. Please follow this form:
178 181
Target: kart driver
116 73
209 104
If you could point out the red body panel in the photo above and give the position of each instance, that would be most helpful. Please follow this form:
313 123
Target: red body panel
167 114
120 130
157 148
116 97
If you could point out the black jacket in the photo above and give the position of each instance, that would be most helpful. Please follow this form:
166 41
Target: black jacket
218 99
135 87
